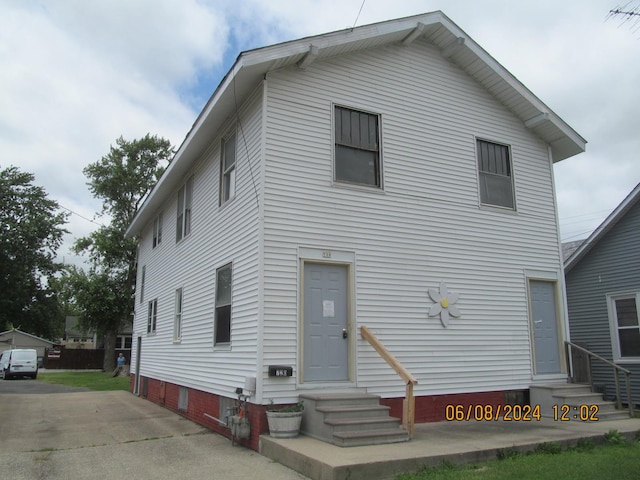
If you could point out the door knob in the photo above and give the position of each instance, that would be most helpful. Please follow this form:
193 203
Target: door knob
345 333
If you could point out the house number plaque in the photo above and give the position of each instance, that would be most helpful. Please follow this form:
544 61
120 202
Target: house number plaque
280 371
326 254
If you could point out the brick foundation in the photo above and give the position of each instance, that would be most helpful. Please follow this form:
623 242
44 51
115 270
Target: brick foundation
428 408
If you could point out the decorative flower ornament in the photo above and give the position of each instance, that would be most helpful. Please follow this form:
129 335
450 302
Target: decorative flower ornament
445 304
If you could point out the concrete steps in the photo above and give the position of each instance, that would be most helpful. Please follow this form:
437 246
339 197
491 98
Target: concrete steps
581 400
349 419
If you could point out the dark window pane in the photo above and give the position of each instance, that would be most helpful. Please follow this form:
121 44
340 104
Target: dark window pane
496 190
223 324
356 166
629 342
626 312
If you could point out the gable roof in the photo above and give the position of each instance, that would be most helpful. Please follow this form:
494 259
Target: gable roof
5 337
609 222
436 27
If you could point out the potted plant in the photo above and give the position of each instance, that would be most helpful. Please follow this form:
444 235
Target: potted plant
285 422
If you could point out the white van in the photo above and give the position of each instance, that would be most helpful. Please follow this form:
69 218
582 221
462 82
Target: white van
21 362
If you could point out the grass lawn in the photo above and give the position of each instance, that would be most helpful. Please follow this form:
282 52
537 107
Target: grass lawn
93 380
619 461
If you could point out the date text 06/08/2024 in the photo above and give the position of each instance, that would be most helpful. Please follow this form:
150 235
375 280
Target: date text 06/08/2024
519 413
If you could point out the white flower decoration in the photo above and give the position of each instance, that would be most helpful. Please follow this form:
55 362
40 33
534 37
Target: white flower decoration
445 304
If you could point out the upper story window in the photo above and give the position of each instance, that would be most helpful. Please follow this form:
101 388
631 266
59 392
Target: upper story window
142 280
152 316
357 148
494 174
228 169
183 219
157 230
222 322
625 327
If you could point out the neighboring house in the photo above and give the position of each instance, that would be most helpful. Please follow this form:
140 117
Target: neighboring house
393 176
603 295
18 339
76 337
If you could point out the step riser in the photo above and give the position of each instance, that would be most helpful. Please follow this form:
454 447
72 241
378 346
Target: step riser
349 420
586 399
368 441
550 396
365 427
364 413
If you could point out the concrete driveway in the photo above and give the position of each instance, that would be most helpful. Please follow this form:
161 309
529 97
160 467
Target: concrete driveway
97 435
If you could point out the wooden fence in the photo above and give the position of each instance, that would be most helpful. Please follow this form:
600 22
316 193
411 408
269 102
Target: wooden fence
77 359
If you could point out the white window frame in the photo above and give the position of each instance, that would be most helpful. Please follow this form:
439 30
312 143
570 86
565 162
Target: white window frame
614 328
152 316
483 173
143 276
177 316
184 207
228 168
222 307
337 143
157 230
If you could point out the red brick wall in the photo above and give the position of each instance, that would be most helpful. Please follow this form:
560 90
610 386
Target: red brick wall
428 408
432 408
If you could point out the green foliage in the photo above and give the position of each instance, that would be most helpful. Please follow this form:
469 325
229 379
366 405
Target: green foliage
505 453
614 437
298 407
548 447
30 234
122 179
584 445
607 461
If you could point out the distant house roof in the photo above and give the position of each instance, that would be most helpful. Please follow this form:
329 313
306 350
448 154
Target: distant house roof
569 247
21 339
436 27
613 218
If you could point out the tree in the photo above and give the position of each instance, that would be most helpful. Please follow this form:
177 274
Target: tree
122 179
30 234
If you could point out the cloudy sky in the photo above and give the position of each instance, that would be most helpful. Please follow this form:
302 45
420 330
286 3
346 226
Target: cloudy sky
77 74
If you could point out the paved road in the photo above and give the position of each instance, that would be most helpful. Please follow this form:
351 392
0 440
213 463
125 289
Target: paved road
97 435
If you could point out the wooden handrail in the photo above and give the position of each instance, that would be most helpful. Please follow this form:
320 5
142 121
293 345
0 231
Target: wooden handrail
616 369
409 403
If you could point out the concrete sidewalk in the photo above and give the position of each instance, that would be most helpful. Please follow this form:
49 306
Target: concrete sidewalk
433 443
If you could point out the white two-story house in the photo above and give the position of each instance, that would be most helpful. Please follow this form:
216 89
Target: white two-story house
392 176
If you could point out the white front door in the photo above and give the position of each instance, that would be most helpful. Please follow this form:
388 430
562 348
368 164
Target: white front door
325 323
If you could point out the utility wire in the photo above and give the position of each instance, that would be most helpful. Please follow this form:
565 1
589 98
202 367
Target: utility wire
359 12
81 216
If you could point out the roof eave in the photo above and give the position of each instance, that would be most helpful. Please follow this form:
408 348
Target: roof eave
608 223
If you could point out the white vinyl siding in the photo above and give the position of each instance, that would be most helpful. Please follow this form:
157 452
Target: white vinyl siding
222 235
425 228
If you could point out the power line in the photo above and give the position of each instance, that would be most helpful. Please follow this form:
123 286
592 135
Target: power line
81 216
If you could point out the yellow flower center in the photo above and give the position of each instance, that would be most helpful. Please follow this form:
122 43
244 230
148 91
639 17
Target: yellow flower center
444 303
